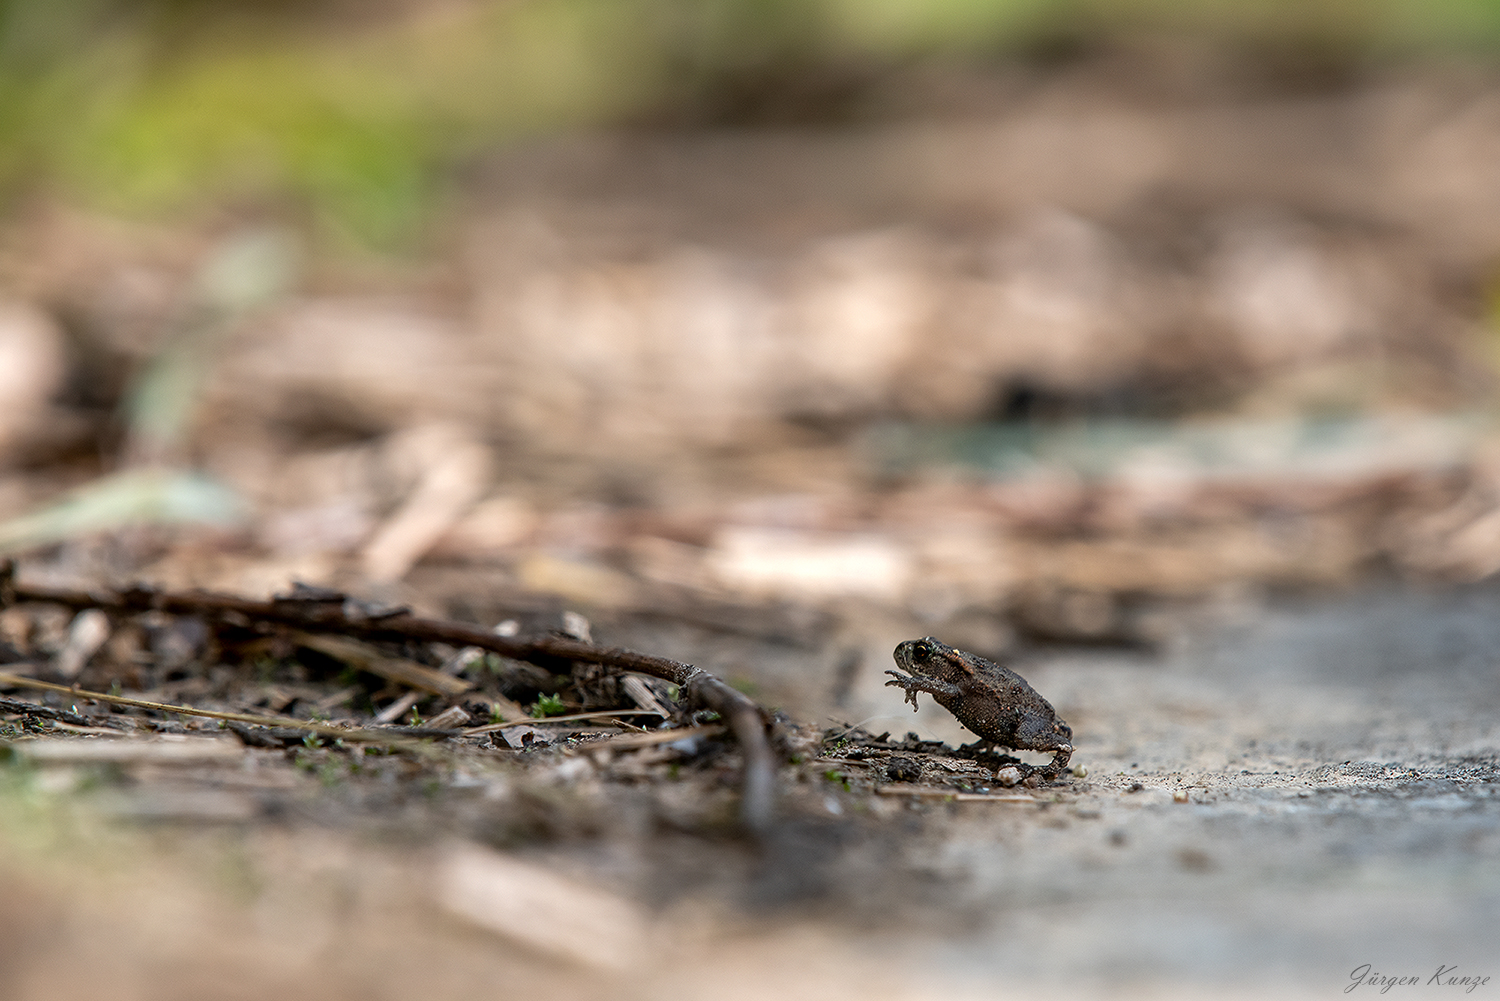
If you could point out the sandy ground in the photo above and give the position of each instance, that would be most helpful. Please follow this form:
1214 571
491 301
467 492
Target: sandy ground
1291 789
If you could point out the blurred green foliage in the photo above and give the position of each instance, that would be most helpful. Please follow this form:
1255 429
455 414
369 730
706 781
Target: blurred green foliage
358 111
548 705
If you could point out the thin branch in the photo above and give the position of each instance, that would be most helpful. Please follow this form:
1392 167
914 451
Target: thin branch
543 720
632 741
745 719
363 736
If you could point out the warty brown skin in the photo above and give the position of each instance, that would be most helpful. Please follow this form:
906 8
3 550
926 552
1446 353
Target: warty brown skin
990 699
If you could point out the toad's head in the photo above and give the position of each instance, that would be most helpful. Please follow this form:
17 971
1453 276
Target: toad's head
928 658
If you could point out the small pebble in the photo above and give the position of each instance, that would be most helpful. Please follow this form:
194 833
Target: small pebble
1080 772
1180 796
1008 776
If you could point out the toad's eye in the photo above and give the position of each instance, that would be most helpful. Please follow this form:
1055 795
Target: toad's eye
921 650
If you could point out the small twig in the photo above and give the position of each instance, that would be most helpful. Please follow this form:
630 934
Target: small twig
624 725
602 714
364 736
745 719
631 741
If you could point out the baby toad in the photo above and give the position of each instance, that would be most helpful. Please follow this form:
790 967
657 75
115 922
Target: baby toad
988 698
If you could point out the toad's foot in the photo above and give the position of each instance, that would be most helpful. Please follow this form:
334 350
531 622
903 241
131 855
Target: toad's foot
1059 763
913 685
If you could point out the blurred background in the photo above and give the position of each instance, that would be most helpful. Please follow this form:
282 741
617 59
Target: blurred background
950 305
956 306
812 324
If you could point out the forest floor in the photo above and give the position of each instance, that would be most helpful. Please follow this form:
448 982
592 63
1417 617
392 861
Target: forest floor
1197 436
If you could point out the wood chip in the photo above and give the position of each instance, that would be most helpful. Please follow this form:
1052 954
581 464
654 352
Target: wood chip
640 693
449 719
89 631
367 658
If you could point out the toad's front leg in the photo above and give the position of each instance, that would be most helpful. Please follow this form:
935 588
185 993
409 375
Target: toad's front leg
913 685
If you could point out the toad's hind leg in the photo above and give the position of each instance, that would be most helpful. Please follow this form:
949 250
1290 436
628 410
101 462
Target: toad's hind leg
1059 763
